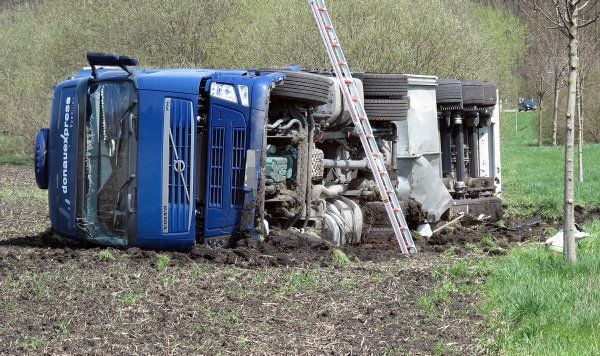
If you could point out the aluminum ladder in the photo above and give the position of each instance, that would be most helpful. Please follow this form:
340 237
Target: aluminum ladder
362 126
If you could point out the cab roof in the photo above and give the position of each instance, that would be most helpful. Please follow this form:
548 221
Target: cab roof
181 80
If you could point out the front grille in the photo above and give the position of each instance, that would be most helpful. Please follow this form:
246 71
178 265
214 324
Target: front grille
215 186
180 117
238 160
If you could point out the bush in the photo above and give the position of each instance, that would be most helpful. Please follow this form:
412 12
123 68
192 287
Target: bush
43 44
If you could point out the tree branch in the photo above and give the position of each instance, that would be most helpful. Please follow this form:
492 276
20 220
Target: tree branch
556 24
588 22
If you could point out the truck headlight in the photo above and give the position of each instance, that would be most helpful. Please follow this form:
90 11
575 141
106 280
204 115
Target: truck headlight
223 91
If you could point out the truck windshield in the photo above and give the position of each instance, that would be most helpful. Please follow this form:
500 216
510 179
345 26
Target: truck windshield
110 162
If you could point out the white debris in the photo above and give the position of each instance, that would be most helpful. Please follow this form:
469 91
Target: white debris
424 230
556 242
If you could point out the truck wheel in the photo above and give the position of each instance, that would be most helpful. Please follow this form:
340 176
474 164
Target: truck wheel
303 87
489 93
472 91
386 109
449 91
382 85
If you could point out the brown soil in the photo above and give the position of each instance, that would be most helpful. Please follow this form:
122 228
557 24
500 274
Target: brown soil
284 295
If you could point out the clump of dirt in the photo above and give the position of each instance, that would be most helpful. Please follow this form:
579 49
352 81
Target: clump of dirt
374 211
469 234
280 248
583 215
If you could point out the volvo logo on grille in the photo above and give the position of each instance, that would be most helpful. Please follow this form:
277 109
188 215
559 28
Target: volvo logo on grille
179 165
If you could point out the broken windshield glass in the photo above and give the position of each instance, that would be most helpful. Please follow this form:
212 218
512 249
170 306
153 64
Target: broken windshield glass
111 154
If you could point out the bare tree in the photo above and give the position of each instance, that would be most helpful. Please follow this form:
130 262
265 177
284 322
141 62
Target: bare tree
559 67
536 71
545 68
588 52
568 17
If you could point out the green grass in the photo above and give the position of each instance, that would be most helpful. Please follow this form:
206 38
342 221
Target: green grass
339 257
106 255
11 151
162 261
129 297
533 176
535 302
297 282
15 194
538 304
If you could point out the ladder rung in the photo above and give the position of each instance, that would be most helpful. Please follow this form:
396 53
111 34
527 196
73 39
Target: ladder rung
342 63
348 81
329 27
355 99
376 154
335 44
389 191
322 9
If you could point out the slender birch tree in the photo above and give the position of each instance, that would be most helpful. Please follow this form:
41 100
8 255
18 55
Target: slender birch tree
567 16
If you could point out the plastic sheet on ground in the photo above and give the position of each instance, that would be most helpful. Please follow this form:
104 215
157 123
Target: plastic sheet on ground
556 242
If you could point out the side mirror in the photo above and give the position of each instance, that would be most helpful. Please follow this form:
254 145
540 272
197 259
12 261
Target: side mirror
105 59
128 61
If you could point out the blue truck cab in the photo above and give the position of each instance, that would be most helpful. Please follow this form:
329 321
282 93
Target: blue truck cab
120 156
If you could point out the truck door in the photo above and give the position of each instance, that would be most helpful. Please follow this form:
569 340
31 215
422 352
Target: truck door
226 159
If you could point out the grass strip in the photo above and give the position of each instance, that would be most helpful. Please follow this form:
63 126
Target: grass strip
538 304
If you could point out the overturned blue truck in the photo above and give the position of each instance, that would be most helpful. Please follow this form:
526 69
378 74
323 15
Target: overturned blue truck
167 158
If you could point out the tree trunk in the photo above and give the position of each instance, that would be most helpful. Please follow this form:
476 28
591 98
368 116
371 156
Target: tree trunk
569 196
555 112
540 122
580 128
517 117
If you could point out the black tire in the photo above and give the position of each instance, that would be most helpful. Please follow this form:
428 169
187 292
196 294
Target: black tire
489 93
449 91
302 87
472 91
386 109
383 85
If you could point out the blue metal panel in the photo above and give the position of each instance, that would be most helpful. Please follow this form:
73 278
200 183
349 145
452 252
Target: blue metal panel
227 131
226 218
152 162
62 159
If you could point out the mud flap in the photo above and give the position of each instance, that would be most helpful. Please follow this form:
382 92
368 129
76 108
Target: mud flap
428 189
